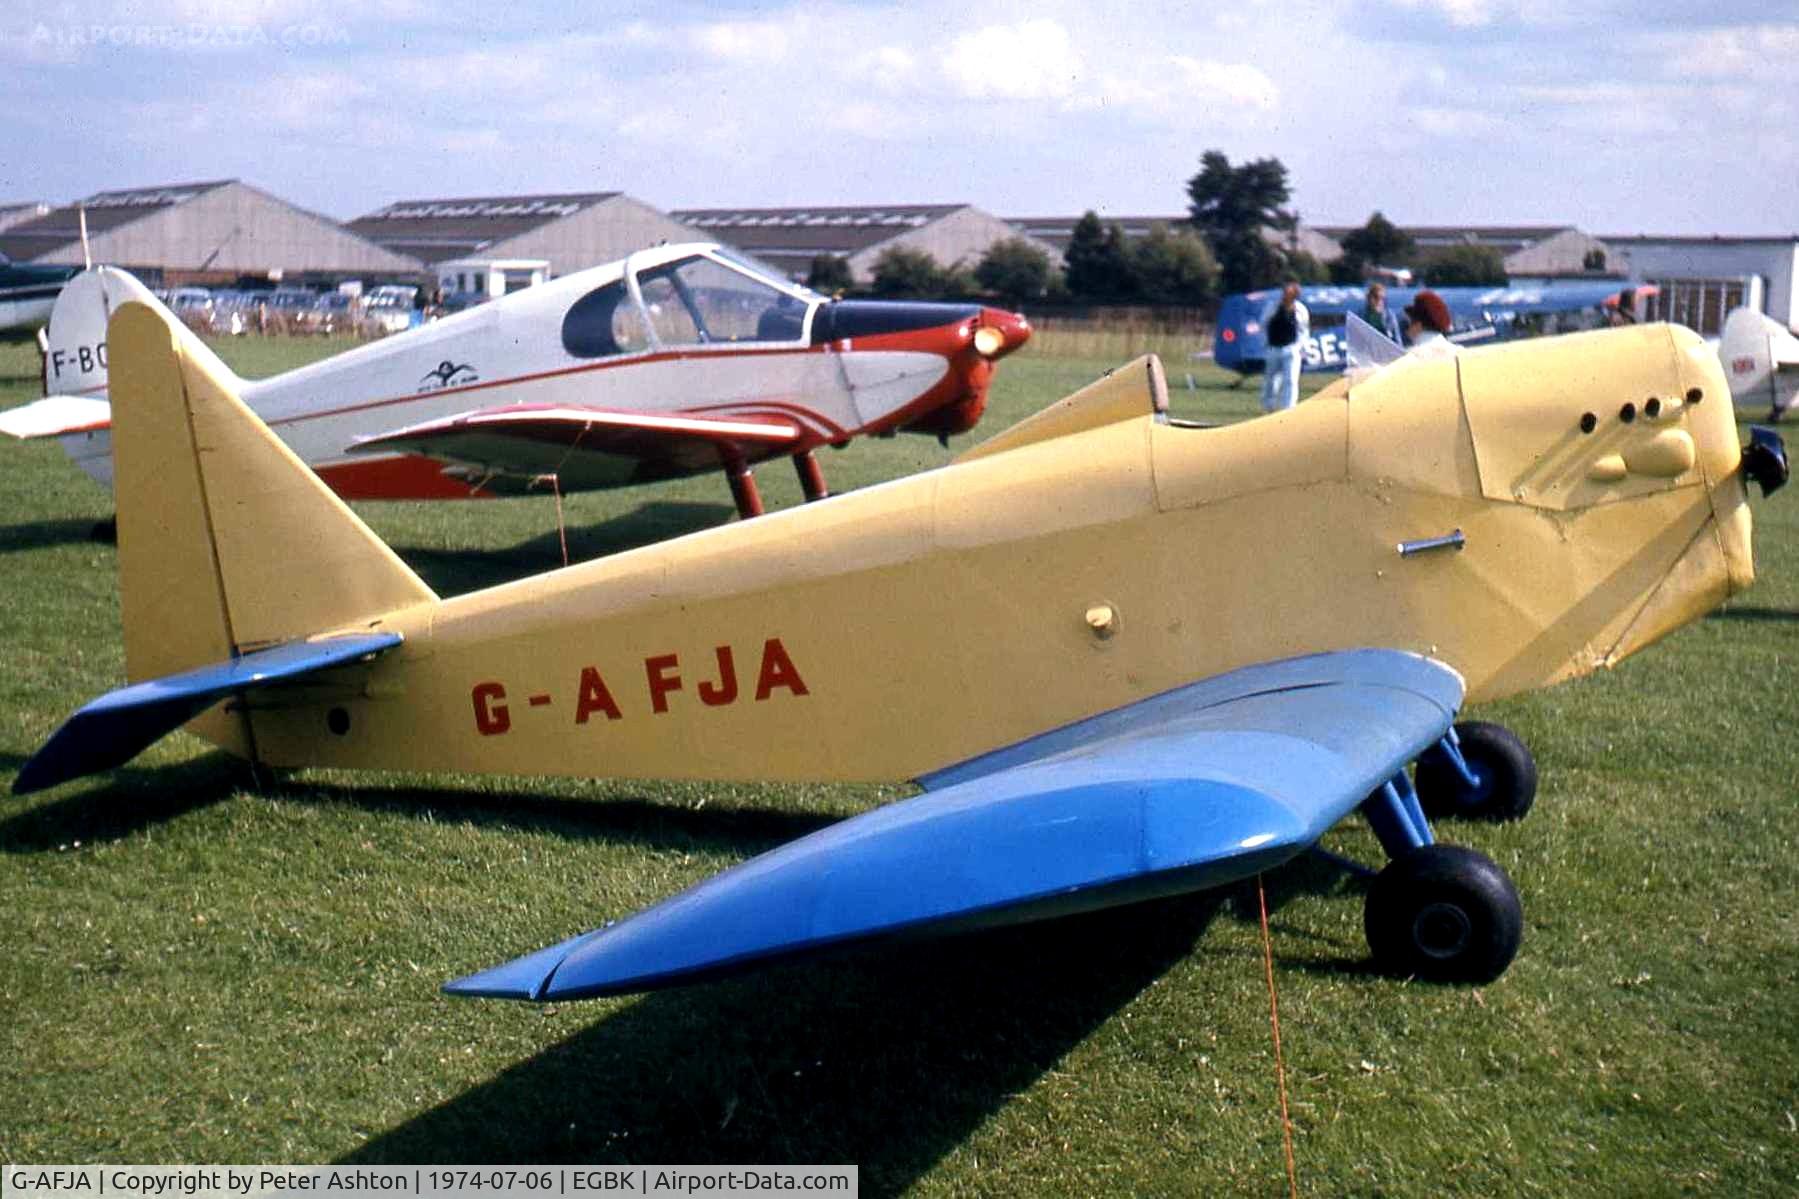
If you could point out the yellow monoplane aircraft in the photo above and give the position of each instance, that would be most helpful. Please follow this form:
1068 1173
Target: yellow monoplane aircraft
1125 656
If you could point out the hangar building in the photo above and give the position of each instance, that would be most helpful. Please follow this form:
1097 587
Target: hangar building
1703 278
17 213
788 239
212 232
570 231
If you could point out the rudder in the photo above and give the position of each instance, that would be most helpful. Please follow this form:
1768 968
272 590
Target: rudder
227 541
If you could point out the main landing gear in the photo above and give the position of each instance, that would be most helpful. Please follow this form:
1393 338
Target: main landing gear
746 495
1439 912
1480 771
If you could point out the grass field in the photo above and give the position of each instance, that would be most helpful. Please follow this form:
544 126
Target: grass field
196 969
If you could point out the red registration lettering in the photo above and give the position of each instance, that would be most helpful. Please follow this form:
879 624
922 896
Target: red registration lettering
594 697
660 671
725 690
778 670
491 716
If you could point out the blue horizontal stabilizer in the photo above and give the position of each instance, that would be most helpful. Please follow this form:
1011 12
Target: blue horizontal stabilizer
1190 789
115 728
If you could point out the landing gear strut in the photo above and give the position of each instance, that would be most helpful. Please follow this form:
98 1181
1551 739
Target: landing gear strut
1439 912
812 476
743 485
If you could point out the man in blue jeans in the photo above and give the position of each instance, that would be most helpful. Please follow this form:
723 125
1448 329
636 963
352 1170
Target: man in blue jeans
1285 326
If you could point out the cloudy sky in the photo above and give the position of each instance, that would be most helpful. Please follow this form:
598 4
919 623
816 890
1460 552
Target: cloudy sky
1633 116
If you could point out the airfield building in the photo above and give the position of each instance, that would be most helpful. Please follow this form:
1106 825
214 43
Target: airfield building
1700 279
570 231
213 232
788 239
16 213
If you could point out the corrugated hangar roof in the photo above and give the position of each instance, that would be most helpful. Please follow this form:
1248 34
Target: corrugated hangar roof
105 211
814 229
433 230
1059 230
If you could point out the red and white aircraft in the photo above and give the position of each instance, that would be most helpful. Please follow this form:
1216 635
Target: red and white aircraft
676 360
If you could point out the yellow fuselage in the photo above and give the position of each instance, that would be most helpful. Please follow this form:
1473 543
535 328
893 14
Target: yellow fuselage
893 631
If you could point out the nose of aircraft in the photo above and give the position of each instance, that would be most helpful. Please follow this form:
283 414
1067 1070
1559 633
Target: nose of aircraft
998 332
991 334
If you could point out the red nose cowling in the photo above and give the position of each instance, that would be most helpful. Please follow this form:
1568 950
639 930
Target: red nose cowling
964 389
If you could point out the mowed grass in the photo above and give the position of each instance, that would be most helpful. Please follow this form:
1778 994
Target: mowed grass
197 968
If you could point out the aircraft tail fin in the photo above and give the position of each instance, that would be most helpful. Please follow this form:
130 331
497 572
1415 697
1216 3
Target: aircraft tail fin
1761 360
227 542
75 350
1136 389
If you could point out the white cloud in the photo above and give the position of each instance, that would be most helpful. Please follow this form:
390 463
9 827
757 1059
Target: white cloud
1463 14
886 68
1767 52
745 41
1460 123
1238 82
1033 60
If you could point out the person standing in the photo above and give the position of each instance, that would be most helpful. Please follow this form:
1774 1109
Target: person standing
1427 320
1285 326
1376 312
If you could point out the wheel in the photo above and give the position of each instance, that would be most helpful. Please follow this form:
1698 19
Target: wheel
1505 768
1444 913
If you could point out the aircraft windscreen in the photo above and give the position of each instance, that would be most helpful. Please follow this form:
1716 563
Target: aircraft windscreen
1368 348
699 301
762 270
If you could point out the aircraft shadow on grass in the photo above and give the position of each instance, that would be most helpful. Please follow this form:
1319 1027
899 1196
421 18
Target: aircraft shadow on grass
888 1057
131 800
458 571
41 534
640 821
1739 612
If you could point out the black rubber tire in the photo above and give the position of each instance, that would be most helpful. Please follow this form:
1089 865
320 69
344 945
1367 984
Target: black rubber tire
1444 913
1506 768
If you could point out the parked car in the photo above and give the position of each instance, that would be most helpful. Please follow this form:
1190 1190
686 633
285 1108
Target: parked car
457 301
186 300
391 308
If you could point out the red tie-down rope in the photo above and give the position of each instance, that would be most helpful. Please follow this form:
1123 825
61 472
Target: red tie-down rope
1274 1022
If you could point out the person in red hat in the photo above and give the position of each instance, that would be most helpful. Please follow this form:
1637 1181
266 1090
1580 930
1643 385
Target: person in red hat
1426 319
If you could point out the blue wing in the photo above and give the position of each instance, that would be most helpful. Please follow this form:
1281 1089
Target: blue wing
113 729
1190 789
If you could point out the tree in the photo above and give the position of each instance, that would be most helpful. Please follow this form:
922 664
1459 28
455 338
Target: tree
1306 268
1463 266
1014 269
830 274
901 273
1233 207
1377 243
1173 268
1098 265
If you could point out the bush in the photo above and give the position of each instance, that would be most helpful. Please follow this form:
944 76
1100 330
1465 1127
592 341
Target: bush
830 274
1015 270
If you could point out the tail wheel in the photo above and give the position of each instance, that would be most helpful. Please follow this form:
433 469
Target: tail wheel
1505 773
1444 913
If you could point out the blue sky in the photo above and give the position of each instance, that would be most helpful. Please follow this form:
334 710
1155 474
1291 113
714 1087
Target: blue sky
1618 117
